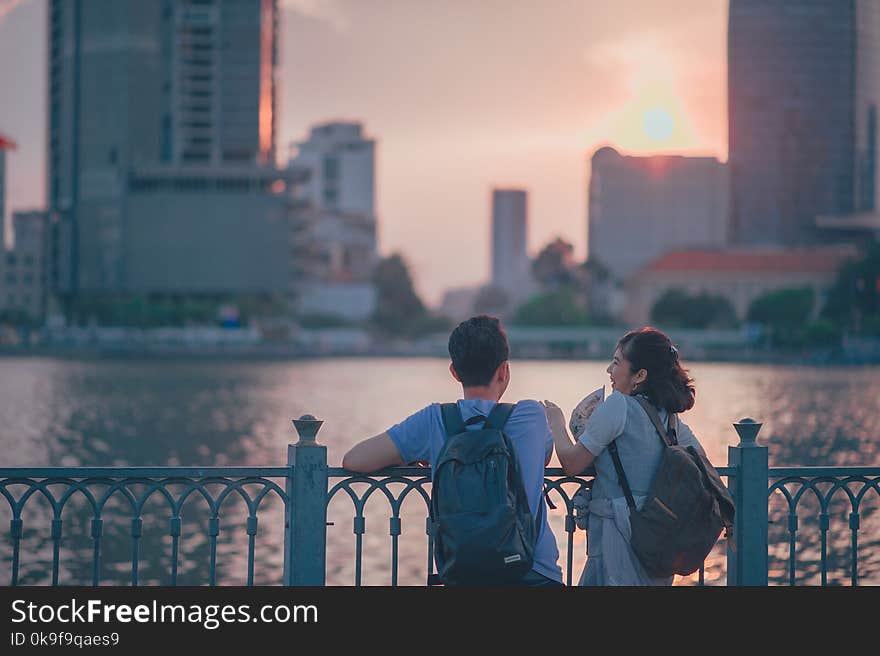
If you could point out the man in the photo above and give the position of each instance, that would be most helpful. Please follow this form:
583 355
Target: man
479 352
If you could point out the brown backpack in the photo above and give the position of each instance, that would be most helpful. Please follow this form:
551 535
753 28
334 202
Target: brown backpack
685 511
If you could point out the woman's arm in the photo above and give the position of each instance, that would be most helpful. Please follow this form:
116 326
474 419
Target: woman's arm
573 456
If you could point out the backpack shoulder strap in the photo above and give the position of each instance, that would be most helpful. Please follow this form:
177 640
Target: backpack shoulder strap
452 419
621 476
496 419
663 432
499 415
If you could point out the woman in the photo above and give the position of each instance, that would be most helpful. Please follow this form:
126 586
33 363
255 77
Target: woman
645 363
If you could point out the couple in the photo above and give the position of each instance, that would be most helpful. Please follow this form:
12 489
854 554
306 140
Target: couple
644 363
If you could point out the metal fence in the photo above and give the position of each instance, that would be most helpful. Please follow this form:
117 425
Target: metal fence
302 490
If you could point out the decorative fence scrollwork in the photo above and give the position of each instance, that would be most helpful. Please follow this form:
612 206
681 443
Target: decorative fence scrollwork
823 486
135 487
767 501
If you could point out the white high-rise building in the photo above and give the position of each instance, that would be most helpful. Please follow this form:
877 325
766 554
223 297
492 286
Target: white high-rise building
342 163
341 189
510 261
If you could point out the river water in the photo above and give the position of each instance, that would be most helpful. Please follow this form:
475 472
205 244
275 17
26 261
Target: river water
128 412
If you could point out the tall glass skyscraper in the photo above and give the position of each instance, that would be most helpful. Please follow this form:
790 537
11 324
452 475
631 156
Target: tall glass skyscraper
803 92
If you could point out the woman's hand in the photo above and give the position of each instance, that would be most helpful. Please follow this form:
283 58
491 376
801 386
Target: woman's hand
573 456
554 417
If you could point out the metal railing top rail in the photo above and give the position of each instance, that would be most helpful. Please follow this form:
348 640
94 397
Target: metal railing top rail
420 471
780 472
142 472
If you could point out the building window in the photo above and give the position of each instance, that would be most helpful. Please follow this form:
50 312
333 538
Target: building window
869 166
167 141
331 168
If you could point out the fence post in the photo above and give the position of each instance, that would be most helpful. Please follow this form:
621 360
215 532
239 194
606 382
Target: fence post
747 562
305 527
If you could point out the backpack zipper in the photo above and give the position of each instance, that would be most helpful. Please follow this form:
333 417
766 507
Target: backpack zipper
665 508
496 486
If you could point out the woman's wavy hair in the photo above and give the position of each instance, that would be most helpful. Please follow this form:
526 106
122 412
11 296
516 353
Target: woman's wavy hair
668 385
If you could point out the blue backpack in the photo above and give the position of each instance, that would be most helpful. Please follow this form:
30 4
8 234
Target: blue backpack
483 530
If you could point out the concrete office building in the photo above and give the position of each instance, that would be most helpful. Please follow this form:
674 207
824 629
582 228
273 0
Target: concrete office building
510 261
803 90
641 207
342 163
209 231
23 285
185 86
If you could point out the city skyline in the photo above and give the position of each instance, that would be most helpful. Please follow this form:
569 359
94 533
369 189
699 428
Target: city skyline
453 123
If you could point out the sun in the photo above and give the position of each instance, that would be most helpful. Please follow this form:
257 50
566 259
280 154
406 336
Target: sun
658 124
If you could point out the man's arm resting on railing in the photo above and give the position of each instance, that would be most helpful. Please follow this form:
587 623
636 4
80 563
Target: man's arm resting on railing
372 454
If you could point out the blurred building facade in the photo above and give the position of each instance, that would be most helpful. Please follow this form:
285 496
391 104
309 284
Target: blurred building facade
161 149
342 255
340 189
740 275
458 303
342 164
26 267
511 272
803 94
641 207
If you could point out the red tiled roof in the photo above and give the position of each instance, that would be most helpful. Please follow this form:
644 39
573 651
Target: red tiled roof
819 260
6 144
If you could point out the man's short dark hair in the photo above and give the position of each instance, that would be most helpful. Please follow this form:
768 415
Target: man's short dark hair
477 348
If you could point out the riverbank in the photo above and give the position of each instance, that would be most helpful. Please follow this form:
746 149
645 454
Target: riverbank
272 351
526 343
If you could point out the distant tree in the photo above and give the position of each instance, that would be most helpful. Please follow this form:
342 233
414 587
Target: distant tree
17 318
554 266
596 270
783 307
784 314
821 332
558 308
854 300
678 309
399 311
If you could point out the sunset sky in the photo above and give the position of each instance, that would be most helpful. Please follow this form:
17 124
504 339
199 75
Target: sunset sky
462 96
